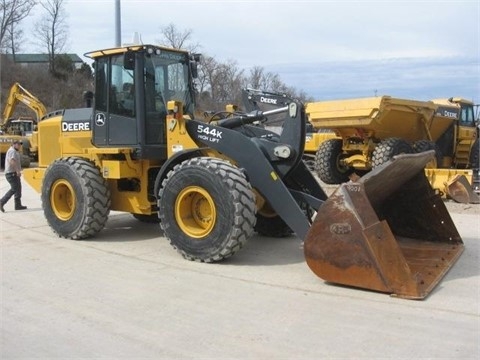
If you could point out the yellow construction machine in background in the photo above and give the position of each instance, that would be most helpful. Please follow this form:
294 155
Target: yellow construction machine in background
21 128
370 131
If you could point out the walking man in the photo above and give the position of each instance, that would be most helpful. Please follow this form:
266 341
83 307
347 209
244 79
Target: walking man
13 168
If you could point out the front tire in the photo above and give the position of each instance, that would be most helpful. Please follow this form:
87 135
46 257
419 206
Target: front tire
206 209
75 198
328 163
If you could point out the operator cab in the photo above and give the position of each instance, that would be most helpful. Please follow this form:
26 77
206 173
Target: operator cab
132 88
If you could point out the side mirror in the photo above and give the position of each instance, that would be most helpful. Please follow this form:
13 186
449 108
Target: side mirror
88 98
129 60
194 69
194 60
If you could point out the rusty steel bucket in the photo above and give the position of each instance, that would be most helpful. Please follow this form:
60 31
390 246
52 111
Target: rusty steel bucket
387 232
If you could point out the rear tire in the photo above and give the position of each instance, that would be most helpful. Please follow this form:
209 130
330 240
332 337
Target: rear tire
426 145
327 163
75 198
388 148
206 209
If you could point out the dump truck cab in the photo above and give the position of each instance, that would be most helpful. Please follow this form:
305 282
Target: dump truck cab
459 143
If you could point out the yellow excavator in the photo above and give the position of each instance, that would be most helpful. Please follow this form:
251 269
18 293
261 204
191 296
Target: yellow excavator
212 185
21 128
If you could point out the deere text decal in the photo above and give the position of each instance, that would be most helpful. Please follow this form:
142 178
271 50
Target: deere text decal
75 126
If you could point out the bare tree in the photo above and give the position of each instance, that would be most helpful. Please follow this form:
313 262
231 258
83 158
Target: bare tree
12 12
221 83
174 38
53 30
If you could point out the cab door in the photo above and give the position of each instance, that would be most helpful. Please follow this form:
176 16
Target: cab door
114 121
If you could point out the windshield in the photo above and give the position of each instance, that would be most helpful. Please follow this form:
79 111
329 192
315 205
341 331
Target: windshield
167 76
467 117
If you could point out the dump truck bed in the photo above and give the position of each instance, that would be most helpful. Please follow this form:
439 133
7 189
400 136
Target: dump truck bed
379 117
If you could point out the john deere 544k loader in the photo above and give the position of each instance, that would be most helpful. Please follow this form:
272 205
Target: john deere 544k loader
140 151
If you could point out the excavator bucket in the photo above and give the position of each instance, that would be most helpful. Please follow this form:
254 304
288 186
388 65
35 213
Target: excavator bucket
387 232
460 190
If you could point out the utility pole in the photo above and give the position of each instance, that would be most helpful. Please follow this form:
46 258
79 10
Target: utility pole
118 25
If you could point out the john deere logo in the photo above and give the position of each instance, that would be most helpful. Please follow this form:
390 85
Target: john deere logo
340 228
100 119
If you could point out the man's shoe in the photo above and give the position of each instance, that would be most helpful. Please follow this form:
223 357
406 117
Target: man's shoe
20 207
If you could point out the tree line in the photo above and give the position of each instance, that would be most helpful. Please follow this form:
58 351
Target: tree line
61 85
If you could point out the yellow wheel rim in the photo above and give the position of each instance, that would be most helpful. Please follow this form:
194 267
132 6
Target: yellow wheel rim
195 212
63 200
267 211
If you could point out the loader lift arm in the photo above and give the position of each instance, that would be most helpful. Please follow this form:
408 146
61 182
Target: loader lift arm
19 94
272 161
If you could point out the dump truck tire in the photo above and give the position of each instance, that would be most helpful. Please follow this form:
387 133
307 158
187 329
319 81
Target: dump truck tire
75 198
206 209
426 145
327 163
388 148
475 155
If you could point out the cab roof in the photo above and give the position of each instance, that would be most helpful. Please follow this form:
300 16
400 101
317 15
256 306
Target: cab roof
452 101
119 50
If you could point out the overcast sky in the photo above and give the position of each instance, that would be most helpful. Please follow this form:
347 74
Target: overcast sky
329 49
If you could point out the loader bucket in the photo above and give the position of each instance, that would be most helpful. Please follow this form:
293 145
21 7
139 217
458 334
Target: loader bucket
387 232
459 189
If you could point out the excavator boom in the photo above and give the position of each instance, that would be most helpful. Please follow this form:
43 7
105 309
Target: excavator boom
20 94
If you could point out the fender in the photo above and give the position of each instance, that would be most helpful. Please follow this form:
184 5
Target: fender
170 164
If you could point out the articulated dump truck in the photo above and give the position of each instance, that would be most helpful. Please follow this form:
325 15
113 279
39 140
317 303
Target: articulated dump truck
370 131
212 185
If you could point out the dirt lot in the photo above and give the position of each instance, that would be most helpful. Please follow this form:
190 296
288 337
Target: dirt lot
128 294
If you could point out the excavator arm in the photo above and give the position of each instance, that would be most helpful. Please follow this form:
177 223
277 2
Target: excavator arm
20 94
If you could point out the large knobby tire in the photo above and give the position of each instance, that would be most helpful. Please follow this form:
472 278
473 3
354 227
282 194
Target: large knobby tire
75 198
327 163
426 145
475 155
270 224
206 209
388 148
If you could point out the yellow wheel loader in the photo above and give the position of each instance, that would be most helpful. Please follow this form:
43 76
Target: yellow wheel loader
139 150
370 131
